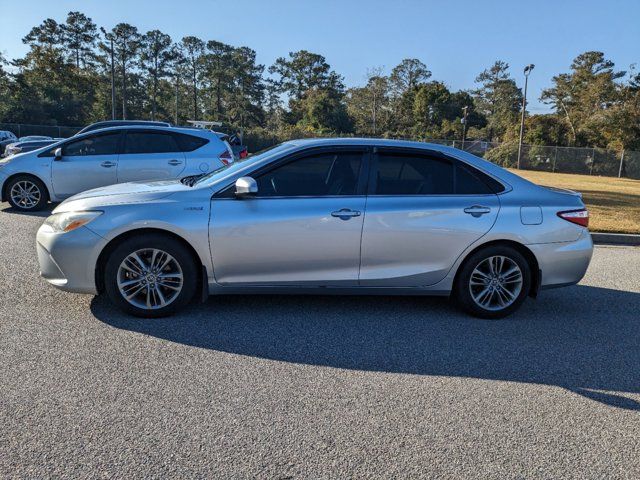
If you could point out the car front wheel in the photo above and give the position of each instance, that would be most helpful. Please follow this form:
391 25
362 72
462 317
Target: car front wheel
150 276
27 193
493 282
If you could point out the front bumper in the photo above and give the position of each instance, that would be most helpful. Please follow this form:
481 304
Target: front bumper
68 260
563 263
3 178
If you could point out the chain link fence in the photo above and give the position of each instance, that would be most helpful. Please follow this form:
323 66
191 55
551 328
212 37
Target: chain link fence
578 160
53 131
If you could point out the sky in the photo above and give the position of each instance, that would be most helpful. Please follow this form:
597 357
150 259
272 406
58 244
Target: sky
456 40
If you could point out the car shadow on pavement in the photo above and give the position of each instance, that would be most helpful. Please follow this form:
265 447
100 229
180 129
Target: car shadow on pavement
582 338
45 212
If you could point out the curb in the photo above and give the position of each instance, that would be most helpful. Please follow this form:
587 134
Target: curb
615 239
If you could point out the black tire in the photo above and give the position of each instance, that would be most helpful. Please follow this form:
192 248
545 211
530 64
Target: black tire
165 243
36 185
462 291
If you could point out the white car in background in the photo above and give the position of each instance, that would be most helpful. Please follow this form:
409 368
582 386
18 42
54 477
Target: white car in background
108 156
32 138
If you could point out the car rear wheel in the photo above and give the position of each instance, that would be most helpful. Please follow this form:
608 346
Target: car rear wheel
493 282
26 193
150 276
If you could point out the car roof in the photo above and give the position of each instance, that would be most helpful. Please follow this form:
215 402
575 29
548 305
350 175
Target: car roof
36 140
130 122
375 142
199 132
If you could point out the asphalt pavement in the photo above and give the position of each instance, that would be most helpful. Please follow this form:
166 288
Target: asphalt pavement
318 387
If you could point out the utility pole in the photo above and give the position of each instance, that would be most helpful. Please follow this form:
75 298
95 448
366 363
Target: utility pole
527 71
176 117
621 164
109 37
465 110
113 83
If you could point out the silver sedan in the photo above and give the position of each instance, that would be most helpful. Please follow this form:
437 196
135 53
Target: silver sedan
325 216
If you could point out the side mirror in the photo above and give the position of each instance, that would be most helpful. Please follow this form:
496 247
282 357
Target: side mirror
246 187
57 153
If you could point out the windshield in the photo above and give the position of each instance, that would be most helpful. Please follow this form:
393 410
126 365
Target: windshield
238 165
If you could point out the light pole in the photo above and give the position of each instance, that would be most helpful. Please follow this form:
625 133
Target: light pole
176 118
109 37
527 71
464 124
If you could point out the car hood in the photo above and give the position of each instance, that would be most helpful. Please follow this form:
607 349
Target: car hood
12 157
122 193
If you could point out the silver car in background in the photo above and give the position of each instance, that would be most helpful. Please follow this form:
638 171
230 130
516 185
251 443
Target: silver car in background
326 216
106 157
6 137
24 146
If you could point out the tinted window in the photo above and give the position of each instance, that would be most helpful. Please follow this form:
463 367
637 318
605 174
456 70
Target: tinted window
400 174
494 185
103 144
150 142
321 174
189 143
469 182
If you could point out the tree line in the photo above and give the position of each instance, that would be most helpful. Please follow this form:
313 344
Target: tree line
65 79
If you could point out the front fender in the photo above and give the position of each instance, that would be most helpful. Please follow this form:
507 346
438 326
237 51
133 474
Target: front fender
183 219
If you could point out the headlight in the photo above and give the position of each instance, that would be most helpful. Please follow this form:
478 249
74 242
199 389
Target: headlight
67 221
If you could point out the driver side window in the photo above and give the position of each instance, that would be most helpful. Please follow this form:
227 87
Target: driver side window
322 174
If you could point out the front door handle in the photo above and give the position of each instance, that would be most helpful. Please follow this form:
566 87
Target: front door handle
345 213
175 162
477 210
108 164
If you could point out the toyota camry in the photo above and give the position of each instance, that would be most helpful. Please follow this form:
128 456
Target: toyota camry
323 216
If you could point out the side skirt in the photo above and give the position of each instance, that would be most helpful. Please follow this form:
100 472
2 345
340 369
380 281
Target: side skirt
217 289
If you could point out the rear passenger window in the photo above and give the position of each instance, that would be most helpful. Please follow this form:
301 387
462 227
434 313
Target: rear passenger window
149 142
400 174
410 174
189 143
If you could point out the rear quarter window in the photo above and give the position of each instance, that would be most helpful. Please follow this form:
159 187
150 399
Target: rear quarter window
470 181
189 143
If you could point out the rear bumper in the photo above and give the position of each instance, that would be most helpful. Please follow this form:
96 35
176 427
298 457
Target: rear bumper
563 263
67 261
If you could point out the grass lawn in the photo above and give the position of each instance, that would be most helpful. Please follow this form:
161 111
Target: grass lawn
613 203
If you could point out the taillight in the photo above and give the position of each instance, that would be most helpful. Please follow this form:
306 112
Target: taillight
579 217
226 158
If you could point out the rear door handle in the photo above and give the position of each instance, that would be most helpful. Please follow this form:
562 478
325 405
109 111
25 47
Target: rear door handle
175 162
477 210
108 164
345 213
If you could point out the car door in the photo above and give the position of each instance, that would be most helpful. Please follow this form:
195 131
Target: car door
423 211
149 155
86 163
303 226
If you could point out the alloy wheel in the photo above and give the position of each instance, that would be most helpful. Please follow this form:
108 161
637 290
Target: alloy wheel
150 278
25 194
496 283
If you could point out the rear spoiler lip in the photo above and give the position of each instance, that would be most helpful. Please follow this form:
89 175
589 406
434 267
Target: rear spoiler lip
563 190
